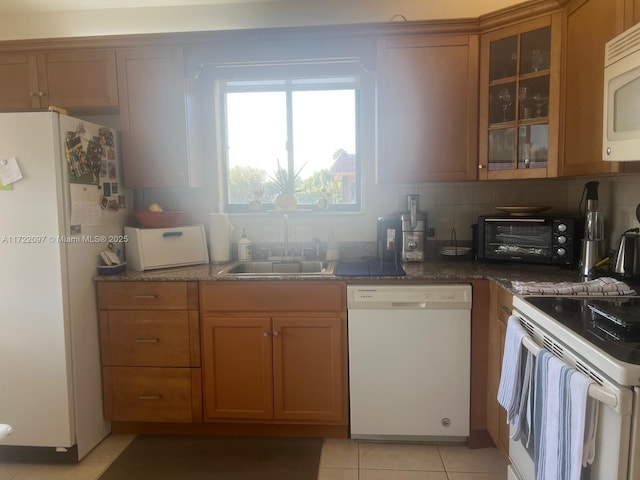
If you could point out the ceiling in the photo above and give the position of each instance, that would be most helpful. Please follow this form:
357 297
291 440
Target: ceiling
41 19
33 6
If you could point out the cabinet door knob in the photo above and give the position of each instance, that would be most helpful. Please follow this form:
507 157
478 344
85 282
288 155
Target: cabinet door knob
276 334
265 334
480 166
31 94
41 94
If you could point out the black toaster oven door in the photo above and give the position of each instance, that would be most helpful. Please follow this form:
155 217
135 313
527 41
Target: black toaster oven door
526 241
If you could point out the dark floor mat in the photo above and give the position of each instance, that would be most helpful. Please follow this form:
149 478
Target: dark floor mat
176 457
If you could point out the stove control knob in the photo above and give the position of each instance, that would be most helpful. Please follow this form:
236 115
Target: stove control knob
562 239
562 227
561 252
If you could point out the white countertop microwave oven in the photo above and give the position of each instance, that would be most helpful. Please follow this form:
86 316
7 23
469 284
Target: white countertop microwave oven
621 112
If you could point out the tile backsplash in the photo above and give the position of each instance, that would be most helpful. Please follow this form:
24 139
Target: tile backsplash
447 205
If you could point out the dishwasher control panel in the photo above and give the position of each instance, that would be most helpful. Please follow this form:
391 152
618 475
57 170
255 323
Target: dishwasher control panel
409 296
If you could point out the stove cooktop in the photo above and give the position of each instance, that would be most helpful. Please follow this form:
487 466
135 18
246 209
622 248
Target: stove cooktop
612 324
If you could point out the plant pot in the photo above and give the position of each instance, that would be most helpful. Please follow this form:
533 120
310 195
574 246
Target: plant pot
286 201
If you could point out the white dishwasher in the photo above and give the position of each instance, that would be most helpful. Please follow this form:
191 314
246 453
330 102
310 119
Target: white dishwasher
409 361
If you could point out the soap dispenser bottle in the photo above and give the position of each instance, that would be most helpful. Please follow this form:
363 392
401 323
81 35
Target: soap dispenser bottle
244 247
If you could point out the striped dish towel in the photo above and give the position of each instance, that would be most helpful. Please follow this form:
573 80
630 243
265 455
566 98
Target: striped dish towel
513 391
565 423
604 286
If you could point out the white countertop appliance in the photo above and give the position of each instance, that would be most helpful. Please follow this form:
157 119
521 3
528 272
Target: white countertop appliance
52 230
153 248
621 122
409 361
600 337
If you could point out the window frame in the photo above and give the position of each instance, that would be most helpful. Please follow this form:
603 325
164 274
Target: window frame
229 81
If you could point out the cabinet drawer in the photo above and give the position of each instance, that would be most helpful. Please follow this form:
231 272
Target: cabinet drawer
146 338
152 394
306 296
147 295
505 304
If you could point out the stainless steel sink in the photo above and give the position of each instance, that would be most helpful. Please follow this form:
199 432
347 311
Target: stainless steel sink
277 268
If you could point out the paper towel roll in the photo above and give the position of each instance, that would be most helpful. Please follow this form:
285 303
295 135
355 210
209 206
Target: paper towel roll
219 238
4 430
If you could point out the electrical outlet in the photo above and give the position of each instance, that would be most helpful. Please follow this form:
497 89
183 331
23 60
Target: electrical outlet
431 232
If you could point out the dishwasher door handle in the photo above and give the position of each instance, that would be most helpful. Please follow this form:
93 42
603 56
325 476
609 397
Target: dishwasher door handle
408 305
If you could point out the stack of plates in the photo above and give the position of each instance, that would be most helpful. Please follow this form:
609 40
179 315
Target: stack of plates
451 251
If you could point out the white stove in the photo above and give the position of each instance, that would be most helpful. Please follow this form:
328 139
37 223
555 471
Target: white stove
587 339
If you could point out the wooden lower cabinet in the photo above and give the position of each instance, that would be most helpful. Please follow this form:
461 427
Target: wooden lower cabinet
148 394
150 351
500 305
276 366
237 367
308 370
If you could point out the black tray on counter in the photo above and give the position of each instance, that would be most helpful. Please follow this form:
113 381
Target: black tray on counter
373 268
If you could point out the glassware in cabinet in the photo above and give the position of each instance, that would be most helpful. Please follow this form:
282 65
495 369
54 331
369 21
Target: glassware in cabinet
519 92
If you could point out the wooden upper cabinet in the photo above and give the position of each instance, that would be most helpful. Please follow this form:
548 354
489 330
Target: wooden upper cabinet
427 108
154 115
19 80
80 79
69 79
589 24
520 100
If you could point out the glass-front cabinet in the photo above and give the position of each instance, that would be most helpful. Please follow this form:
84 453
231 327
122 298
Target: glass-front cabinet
519 100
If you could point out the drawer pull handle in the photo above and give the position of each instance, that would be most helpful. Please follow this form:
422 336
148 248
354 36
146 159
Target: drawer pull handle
148 297
150 397
505 310
172 234
147 340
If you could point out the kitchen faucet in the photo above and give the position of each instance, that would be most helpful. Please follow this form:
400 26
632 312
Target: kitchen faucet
285 251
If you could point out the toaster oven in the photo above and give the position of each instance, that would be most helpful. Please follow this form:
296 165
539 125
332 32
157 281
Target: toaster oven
546 240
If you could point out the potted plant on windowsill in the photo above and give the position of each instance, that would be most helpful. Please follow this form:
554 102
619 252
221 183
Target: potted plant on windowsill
285 181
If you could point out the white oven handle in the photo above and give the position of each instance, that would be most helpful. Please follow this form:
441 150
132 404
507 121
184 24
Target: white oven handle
602 394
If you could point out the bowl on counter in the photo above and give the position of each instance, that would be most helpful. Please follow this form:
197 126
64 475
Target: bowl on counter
163 219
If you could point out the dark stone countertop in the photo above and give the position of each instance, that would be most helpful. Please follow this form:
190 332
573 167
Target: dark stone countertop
432 270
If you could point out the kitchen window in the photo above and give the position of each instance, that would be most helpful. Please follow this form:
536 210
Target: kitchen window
296 132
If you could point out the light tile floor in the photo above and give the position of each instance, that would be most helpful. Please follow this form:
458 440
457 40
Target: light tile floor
358 460
340 460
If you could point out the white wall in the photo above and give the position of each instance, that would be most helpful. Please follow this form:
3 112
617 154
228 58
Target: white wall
19 25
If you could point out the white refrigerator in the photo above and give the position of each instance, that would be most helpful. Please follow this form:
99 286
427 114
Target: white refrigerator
54 222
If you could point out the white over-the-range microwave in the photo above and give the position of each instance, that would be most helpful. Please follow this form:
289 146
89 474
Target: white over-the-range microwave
621 113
